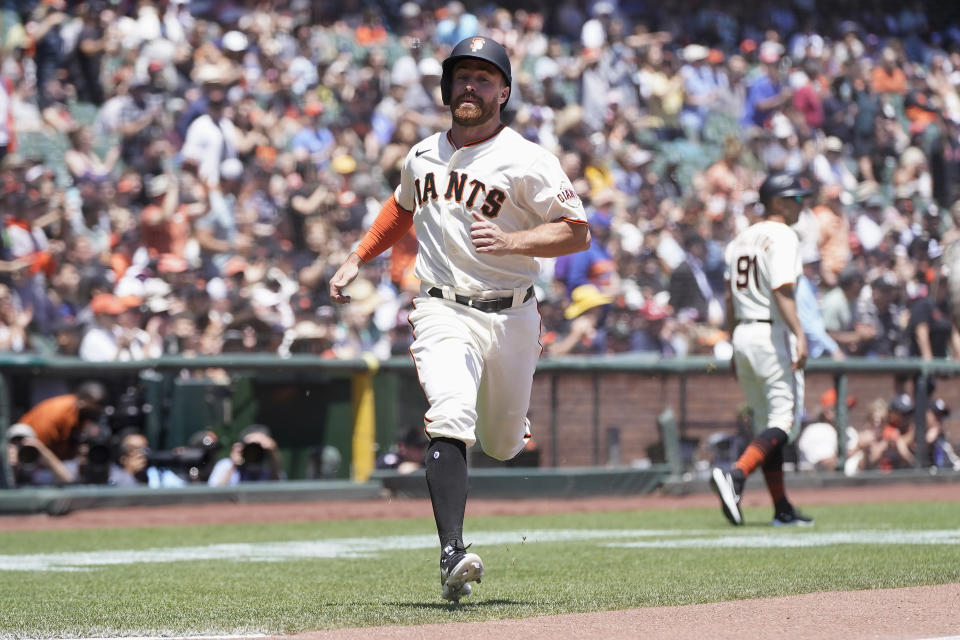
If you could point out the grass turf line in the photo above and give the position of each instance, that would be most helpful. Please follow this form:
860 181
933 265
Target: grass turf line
401 586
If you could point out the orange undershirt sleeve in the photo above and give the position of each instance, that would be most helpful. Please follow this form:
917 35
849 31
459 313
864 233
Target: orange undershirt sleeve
391 224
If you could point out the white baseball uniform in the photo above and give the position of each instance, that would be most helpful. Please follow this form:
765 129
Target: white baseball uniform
476 368
762 258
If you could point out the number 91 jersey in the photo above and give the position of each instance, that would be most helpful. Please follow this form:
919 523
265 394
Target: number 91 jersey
763 258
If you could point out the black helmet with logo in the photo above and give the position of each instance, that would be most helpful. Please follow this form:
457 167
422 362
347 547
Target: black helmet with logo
782 184
479 48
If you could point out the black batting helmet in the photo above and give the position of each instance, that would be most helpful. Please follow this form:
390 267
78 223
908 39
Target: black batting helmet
782 184
479 48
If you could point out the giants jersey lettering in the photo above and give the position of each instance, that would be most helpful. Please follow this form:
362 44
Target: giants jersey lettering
764 257
513 182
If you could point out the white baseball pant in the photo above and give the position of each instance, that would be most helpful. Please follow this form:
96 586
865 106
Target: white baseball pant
476 370
763 354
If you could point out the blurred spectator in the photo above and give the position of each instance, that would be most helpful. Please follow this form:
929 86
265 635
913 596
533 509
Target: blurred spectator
862 442
657 330
939 448
211 139
406 455
841 314
768 92
455 23
14 321
164 223
895 449
43 29
830 167
595 265
667 132
585 314
141 124
931 332
809 96
82 161
887 77
115 333
834 242
881 310
690 291
254 457
87 59
817 444
819 341
314 140
217 231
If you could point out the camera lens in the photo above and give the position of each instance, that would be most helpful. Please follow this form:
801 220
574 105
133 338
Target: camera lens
27 454
252 453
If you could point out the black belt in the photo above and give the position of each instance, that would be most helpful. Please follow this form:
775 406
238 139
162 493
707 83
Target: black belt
763 320
487 305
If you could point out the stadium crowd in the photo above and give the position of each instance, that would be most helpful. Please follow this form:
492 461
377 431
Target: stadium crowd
182 176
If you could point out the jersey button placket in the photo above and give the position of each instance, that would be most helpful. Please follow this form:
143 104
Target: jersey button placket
455 220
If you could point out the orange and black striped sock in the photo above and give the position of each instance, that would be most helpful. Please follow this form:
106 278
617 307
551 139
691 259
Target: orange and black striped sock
760 449
750 459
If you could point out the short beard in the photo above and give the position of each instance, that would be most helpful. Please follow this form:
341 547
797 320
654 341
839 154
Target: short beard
472 114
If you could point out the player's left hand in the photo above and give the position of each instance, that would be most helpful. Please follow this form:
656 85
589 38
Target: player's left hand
488 237
801 360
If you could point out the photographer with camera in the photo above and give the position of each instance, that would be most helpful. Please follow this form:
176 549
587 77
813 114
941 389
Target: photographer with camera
31 461
191 463
92 463
253 458
58 422
135 466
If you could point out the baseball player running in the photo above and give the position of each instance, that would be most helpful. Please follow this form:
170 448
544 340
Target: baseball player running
485 202
769 347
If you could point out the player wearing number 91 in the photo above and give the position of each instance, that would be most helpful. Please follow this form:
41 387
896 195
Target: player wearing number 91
769 347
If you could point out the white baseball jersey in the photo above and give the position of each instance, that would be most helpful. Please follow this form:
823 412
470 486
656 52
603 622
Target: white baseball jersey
518 185
514 182
762 258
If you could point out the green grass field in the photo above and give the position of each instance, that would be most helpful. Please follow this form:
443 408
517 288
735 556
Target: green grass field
282 578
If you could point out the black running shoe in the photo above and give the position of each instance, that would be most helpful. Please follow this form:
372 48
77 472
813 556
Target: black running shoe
458 568
728 492
790 517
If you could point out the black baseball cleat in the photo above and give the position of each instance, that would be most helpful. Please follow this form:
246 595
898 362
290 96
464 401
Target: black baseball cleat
728 490
458 568
787 516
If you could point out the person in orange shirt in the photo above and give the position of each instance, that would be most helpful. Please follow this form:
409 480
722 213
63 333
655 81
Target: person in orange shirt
887 77
834 240
59 421
164 227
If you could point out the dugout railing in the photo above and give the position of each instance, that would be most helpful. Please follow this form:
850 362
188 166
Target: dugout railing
615 412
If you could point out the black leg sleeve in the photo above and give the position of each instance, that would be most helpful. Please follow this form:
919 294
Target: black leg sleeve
771 442
446 467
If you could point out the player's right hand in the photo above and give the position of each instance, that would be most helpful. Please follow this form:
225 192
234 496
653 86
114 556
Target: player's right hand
346 274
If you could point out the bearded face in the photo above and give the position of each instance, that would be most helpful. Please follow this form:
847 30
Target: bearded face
477 89
470 110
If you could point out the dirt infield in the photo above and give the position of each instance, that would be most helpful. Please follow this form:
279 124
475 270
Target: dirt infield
920 612
216 513
897 614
